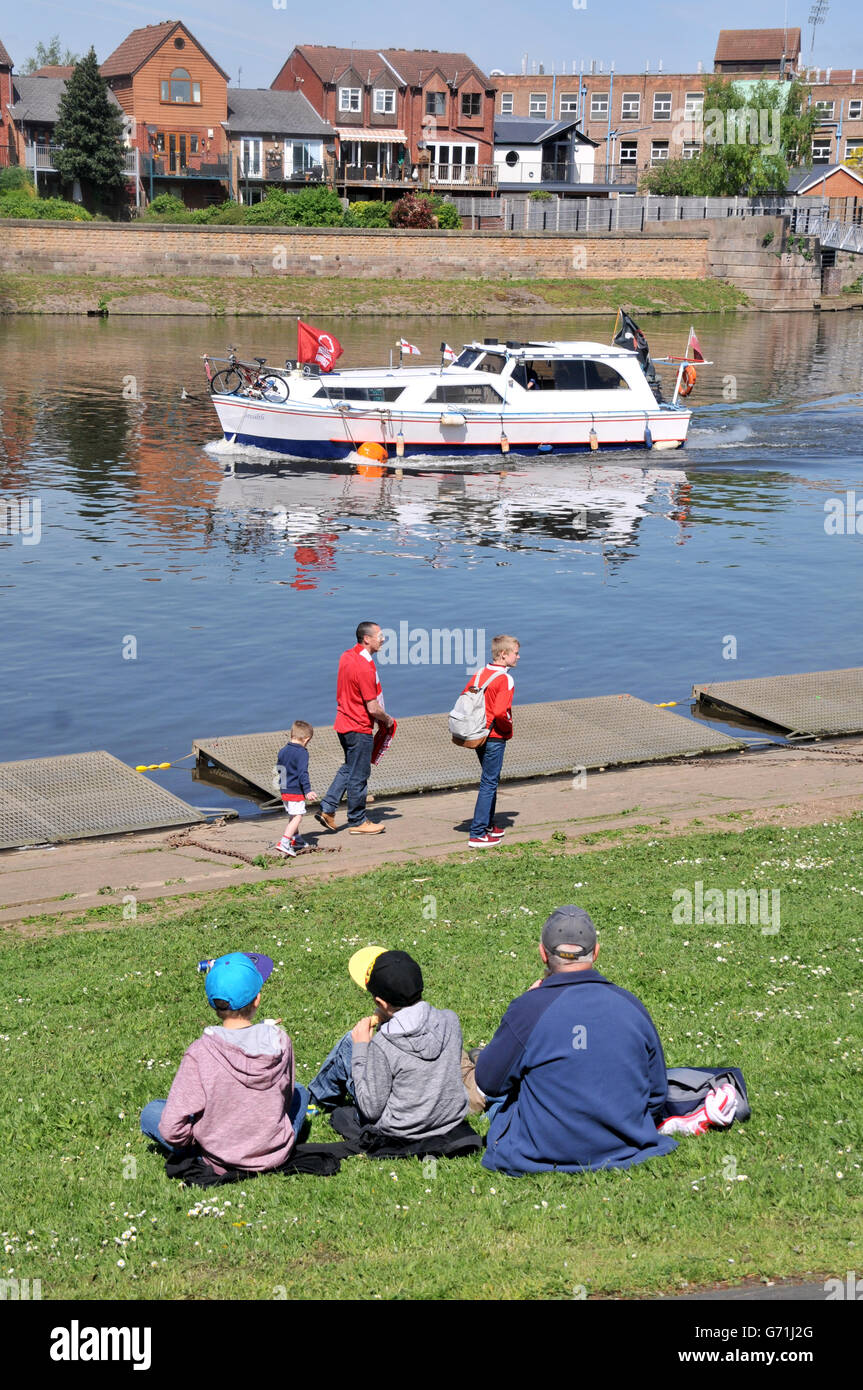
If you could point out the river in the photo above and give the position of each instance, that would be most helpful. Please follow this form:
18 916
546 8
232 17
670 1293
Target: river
149 595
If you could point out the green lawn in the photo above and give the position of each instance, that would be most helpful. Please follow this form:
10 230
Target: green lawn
94 1023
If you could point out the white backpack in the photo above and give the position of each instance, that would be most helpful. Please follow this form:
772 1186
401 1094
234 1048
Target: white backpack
467 718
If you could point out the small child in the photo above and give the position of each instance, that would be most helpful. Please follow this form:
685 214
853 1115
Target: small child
234 1100
293 769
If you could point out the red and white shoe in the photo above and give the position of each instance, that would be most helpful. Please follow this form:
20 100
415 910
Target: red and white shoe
494 832
486 841
717 1112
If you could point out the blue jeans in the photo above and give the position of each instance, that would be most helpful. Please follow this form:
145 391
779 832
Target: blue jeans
333 1084
152 1114
352 777
490 756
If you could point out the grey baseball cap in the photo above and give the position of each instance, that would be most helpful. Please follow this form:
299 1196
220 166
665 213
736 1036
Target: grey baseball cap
569 933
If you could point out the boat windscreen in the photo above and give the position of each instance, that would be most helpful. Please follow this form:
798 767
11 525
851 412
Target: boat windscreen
467 357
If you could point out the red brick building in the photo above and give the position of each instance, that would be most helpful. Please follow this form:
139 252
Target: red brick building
7 134
399 115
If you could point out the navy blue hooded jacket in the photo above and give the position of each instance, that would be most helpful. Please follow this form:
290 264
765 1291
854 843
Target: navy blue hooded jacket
582 1068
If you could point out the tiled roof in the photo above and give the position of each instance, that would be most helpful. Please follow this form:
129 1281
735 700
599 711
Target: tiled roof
5 60
261 111
36 99
412 66
756 45
53 70
141 44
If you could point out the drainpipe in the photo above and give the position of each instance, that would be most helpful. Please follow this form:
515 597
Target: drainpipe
608 141
553 86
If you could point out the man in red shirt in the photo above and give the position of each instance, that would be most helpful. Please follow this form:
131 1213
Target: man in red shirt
359 708
498 710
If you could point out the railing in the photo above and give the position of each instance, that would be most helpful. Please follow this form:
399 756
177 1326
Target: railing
194 167
521 213
276 173
471 175
841 236
40 158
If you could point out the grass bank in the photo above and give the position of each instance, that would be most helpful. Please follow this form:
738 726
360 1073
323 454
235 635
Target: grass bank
292 295
97 1020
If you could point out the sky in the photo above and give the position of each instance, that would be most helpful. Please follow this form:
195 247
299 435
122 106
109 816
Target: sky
251 39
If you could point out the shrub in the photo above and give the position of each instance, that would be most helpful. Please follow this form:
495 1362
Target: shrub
444 211
311 207
413 212
376 214
19 203
228 213
541 195
14 177
167 207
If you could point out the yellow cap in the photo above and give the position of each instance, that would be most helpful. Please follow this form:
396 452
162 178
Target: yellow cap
361 962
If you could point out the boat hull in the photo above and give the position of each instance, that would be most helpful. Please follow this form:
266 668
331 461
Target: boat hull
308 433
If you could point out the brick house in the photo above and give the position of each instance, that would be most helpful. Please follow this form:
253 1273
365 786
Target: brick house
177 98
398 115
32 115
274 139
7 136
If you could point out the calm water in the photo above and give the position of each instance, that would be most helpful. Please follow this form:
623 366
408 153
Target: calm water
240 590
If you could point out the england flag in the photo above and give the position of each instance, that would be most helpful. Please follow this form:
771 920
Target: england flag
408 349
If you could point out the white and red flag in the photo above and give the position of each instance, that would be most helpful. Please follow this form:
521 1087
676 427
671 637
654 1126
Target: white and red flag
408 349
694 347
447 353
313 345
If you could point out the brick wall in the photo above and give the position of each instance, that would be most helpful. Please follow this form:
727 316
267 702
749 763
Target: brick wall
729 249
676 252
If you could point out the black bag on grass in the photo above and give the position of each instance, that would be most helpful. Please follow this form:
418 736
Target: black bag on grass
688 1087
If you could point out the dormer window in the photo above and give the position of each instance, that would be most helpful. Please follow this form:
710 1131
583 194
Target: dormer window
385 101
435 103
179 88
470 103
350 98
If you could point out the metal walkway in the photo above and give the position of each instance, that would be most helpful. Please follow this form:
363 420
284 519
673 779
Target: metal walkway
70 797
814 704
550 739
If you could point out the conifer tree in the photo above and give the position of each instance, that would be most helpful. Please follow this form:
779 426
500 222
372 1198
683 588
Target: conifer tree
89 130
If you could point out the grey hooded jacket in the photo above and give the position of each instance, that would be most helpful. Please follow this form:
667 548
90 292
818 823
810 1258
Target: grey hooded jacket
407 1080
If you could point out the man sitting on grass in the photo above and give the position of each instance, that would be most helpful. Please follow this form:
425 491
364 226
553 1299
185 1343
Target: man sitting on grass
394 1083
579 1064
233 1101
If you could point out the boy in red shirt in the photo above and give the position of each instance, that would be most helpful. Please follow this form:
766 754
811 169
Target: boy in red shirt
498 710
360 708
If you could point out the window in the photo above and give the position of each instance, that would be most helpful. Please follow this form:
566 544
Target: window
360 393
466 393
569 103
600 376
538 104
629 151
511 159
821 150
630 107
179 87
301 156
825 109
658 151
506 103
250 158
452 163
855 110
385 102
470 103
349 98
854 150
599 106
662 106
435 103
691 149
693 109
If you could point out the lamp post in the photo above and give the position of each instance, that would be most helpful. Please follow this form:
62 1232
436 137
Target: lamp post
151 141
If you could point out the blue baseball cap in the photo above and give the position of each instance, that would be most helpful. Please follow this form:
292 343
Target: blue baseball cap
237 978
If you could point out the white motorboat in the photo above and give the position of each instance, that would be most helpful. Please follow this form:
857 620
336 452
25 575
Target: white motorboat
526 398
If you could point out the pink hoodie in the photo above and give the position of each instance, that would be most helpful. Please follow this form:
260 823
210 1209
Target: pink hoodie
236 1085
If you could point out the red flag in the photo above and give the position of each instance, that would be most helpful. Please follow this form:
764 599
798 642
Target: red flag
383 739
315 346
697 354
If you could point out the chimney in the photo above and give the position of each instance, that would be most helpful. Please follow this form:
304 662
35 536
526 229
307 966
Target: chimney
660 66
542 70
647 66
700 67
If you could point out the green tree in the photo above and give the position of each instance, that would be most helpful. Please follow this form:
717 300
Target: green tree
751 136
51 56
89 130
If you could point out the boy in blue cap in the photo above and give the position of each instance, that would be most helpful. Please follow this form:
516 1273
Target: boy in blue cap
234 1099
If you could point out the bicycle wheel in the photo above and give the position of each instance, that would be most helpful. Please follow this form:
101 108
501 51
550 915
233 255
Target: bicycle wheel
274 388
226 383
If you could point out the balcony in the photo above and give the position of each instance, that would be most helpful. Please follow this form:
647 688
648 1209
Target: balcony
40 160
174 166
463 175
275 173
